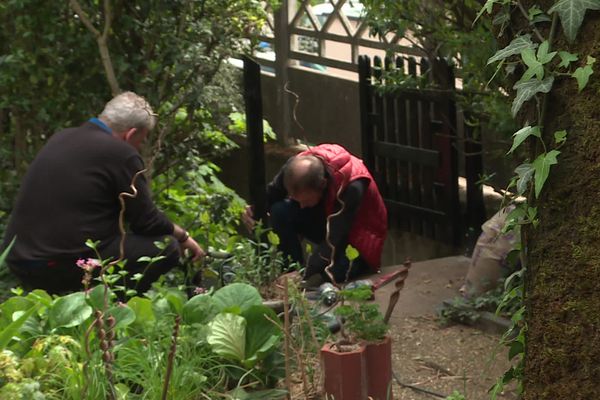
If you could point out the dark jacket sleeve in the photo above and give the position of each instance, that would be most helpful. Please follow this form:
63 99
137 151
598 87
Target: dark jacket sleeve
140 211
340 225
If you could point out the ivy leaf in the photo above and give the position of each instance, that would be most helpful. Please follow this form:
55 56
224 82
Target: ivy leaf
560 137
582 74
542 54
542 169
535 67
527 89
566 58
533 11
487 7
522 134
525 173
571 14
517 45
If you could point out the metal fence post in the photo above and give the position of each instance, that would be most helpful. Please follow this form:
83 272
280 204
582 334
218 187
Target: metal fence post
254 133
282 41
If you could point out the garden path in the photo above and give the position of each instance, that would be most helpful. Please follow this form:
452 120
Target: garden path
436 358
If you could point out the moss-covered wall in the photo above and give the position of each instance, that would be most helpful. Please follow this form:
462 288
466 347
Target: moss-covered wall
563 278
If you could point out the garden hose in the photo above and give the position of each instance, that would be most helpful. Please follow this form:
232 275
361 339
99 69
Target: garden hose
418 389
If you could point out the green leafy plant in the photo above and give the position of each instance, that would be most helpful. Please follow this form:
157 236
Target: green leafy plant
361 320
258 262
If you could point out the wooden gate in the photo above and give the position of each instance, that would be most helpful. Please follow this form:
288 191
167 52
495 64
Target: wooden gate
409 144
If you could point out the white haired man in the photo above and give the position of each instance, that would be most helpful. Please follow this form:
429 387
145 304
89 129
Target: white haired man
71 193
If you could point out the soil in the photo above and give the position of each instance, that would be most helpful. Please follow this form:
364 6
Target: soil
445 359
436 358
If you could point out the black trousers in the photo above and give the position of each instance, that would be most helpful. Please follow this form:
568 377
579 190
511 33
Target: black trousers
292 223
61 275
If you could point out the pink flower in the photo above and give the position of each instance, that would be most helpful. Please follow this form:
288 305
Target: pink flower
199 290
88 264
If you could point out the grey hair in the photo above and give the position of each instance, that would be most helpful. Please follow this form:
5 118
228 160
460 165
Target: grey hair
128 110
309 176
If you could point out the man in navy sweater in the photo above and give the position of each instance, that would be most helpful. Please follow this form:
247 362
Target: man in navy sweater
71 193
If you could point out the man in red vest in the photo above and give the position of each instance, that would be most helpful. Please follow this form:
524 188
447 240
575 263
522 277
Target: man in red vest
327 195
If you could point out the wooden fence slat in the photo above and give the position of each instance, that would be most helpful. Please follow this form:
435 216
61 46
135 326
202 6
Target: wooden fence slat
409 145
427 173
366 113
379 131
424 157
390 136
402 139
413 140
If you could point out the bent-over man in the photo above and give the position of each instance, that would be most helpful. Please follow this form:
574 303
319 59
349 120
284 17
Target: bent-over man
328 196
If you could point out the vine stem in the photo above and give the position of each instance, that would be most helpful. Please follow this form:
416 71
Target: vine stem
286 329
535 30
171 358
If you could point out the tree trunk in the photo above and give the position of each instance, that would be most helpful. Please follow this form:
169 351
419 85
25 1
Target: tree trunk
562 285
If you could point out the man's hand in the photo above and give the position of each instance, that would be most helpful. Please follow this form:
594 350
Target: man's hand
187 243
248 218
194 248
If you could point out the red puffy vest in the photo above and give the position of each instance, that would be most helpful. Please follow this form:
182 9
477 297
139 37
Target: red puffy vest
369 229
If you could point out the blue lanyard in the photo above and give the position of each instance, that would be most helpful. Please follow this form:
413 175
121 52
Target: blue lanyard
101 125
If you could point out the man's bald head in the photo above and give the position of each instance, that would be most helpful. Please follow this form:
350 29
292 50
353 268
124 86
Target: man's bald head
304 173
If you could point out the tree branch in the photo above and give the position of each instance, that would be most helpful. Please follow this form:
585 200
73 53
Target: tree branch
101 39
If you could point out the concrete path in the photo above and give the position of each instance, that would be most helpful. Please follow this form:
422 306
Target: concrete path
427 285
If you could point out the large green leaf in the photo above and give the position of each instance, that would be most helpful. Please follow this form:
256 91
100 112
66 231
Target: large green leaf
237 297
6 251
227 336
534 67
199 309
122 314
96 296
517 45
12 305
13 328
525 173
571 14
70 310
542 169
144 313
262 333
176 299
526 90
523 134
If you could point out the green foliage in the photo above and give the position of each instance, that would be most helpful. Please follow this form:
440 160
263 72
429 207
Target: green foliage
571 14
172 52
456 395
200 202
468 311
446 30
514 338
238 126
362 320
42 341
258 262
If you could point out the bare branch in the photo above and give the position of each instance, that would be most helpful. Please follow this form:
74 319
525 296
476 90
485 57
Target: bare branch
84 18
101 39
107 19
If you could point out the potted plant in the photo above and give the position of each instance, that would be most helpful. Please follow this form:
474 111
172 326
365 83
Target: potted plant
359 365
362 358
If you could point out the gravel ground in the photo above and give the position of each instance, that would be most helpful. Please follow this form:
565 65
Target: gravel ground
445 359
